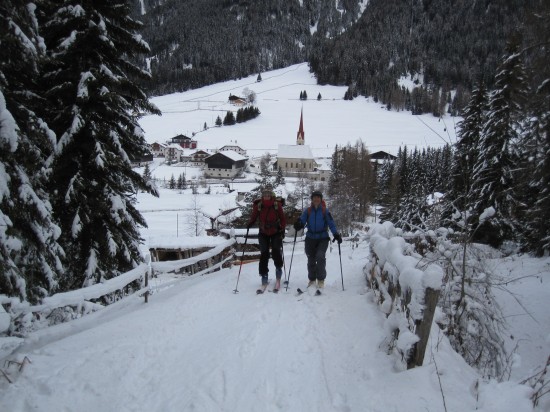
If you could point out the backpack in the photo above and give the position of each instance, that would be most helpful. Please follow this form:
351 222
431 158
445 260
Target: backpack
278 201
323 209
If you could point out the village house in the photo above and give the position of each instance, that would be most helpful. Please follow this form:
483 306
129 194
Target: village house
142 161
224 165
173 153
157 149
233 148
184 141
381 157
236 100
197 158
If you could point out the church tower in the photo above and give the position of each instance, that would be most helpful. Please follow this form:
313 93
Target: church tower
300 136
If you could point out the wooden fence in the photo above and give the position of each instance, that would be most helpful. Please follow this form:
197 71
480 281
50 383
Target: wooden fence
406 288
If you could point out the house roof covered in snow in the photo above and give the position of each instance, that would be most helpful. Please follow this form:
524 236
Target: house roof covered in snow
288 151
232 155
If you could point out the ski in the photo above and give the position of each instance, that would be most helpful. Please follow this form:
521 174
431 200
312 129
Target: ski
317 292
262 289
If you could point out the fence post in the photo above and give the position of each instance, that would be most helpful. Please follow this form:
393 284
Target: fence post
147 284
423 329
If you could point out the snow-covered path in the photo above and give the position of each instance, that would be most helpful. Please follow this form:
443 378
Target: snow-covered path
197 346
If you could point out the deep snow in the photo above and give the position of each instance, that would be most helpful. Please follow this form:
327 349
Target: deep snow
197 346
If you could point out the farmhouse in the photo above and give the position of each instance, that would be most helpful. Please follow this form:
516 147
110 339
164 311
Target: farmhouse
173 153
236 100
158 149
226 164
184 141
234 148
197 158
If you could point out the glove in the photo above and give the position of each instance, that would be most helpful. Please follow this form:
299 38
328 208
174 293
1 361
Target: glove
249 225
338 238
298 225
282 233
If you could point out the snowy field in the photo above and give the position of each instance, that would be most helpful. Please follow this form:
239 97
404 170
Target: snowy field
197 346
327 122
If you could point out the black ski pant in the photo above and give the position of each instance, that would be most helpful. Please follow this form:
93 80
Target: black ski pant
316 250
275 242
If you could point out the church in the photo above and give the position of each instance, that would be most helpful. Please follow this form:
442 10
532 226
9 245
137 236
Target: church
296 159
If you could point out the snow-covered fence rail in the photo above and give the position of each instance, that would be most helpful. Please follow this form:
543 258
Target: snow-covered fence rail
21 317
406 288
203 263
65 306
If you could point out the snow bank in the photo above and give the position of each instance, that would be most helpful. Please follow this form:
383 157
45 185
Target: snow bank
399 282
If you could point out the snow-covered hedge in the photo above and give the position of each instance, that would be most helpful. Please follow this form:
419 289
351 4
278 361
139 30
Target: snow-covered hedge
401 283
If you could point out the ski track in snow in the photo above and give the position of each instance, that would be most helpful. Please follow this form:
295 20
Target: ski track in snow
197 346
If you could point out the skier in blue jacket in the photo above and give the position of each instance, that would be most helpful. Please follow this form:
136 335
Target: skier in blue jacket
318 221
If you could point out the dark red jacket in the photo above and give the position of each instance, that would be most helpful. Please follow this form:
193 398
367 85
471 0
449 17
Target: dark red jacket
270 214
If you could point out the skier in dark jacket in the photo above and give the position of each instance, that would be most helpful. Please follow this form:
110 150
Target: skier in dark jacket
272 222
318 221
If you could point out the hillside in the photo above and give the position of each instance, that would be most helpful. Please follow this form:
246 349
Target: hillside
327 122
369 45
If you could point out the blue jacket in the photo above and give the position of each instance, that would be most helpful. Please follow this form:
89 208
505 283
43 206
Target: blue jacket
318 224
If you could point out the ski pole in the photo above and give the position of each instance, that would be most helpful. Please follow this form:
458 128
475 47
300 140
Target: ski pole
341 272
241 266
291 257
283 254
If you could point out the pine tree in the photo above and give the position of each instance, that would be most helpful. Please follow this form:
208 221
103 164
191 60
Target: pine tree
466 156
147 176
279 179
30 255
494 186
229 119
183 181
172 182
536 139
94 112
218 121
319 96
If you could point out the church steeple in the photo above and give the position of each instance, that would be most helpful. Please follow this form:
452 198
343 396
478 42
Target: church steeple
300 136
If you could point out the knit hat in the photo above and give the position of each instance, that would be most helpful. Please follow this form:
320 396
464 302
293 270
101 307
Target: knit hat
316 193
268 189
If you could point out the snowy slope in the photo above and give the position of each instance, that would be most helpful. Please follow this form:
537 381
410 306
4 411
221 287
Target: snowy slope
197 346
327 122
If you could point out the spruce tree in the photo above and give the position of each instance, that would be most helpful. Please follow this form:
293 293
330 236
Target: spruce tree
494 188
94 111
229 119
466 156
536 139
30 254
